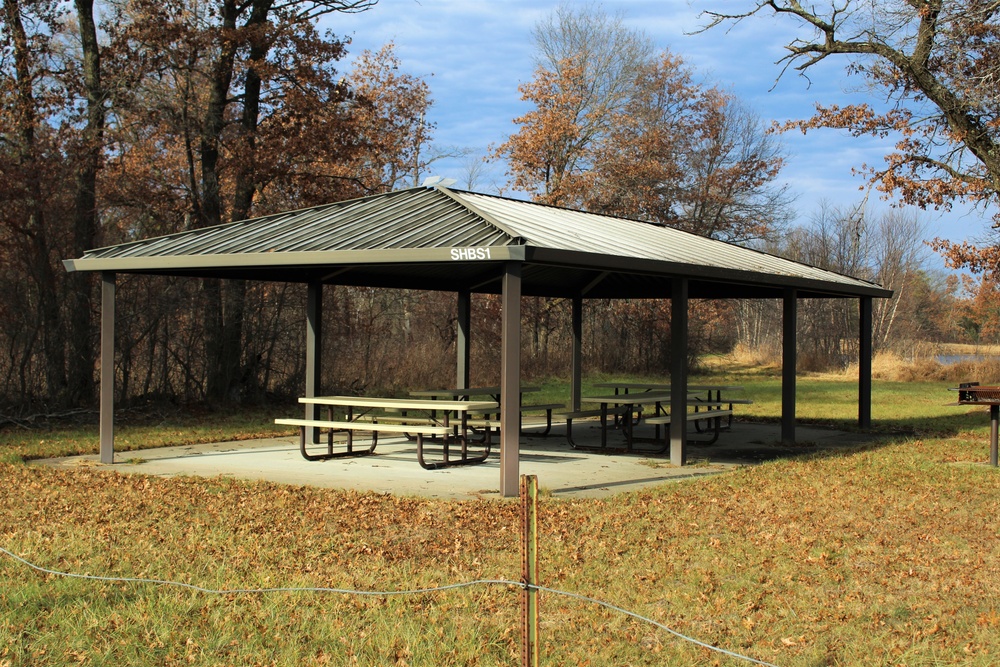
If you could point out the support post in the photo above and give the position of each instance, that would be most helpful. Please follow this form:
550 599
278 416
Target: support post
510 380
865 365
576 376
107 433
678 370
462 339
994 432
529 570
314 347
788 365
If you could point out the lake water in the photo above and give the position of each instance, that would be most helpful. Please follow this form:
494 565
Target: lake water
949 359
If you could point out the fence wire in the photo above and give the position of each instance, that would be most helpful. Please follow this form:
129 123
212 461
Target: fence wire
415 591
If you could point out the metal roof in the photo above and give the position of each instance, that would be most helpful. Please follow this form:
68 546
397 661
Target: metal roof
436 238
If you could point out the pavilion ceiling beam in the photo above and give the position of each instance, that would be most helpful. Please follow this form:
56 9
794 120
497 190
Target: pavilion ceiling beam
600 278
333 274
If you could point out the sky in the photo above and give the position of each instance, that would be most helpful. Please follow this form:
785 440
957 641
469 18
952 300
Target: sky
475 53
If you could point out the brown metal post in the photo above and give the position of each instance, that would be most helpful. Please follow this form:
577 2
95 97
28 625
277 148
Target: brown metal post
314 347
678 370
865 364
529 570
576 379
789 360
994 428
510 380
107 434
462 339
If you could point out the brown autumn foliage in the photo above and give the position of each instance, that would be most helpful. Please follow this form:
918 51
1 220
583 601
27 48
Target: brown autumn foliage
673 152
978 314
185 114
618 129
220 111
935 64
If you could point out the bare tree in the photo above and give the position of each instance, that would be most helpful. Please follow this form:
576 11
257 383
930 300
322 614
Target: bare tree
618 128
597 56
885 248
936 63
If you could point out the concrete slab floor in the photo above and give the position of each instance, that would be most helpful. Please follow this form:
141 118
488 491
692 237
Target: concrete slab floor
562 471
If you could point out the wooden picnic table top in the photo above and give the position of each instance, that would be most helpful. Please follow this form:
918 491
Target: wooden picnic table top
468 391
398 403
647 386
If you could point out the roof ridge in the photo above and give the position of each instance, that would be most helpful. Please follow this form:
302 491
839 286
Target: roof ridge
487 217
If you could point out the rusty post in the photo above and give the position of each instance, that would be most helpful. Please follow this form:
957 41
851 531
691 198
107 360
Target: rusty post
529 570
994 427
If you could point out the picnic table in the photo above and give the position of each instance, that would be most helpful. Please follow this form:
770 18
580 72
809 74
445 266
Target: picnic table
623 407
700 395
625 387
493 392
394 415
627 408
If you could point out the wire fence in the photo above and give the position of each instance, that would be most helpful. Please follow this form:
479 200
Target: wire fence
417 591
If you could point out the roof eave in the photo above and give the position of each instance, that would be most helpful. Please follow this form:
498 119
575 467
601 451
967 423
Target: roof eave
600 262
147 264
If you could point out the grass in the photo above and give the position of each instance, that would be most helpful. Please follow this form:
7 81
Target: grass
886 555
142 431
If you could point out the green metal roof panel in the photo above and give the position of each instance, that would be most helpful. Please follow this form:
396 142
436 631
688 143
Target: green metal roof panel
439 232
577 231
417 218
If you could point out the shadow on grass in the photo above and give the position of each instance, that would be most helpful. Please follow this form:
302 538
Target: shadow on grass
753 441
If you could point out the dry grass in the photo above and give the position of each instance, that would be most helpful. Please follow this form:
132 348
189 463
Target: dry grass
887 555
918 364
883 556
892 367
752 357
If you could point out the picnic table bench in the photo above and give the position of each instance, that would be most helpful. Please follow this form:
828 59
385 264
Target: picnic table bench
713 416
390 415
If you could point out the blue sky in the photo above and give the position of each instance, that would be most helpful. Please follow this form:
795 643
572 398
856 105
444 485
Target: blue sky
475 53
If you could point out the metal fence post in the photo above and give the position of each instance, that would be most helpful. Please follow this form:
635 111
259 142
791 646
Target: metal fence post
529 570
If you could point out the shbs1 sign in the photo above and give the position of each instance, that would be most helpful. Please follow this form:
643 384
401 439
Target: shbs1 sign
470 253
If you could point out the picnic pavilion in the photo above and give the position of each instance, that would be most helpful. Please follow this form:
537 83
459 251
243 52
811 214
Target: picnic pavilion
435 238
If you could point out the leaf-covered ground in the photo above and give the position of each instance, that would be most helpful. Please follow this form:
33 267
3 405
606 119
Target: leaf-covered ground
885 556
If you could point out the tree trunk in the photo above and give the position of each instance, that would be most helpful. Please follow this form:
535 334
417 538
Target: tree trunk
85 227
39 260
218 371
231 371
